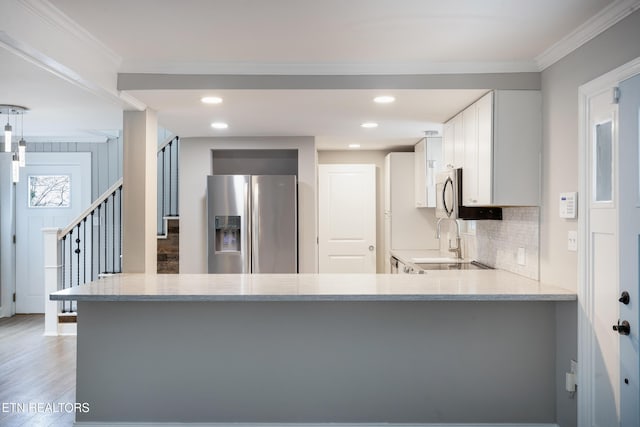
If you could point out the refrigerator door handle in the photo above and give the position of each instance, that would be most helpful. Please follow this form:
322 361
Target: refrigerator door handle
254 226
248 235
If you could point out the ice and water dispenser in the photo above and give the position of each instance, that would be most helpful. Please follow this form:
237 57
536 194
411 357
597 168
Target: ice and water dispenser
227 233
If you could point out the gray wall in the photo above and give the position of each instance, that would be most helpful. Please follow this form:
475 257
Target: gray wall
196 162
254 162
106 160
341 362
560 82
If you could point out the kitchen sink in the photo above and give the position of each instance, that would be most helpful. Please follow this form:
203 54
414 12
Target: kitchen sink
473 265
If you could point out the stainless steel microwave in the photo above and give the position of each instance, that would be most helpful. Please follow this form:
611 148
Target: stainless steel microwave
448 193
449 199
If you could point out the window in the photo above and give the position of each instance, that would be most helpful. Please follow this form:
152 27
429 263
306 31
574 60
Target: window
49 191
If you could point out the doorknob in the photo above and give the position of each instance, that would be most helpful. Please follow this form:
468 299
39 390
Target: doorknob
624 298
622 328
371 248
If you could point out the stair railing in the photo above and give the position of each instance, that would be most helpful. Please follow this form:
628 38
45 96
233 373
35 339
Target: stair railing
88 248
168 168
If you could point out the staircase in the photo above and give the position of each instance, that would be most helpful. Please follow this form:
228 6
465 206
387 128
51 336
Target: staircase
168 220
91 246
169 247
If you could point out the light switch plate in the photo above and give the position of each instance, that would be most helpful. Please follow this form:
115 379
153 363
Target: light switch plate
522 256
572 241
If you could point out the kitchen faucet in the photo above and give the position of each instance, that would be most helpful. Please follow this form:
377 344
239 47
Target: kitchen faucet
457 250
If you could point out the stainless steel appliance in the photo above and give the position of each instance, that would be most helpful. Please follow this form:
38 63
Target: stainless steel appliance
448 193
252 224
449 199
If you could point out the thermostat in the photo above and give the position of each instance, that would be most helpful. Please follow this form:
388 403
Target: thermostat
568 205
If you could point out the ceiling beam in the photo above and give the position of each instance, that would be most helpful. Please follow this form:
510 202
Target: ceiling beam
146 81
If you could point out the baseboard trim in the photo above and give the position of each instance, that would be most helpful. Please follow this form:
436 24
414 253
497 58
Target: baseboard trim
144 424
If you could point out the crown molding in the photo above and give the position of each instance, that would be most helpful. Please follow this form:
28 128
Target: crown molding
597 24
342 68
54 16
37 58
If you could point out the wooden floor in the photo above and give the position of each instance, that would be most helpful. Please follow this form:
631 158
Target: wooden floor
35 369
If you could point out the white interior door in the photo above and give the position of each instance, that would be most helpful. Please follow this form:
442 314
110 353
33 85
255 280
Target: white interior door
629 220
347 218
609 322
53 190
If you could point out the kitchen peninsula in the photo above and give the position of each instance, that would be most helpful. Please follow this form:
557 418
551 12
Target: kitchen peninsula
443 347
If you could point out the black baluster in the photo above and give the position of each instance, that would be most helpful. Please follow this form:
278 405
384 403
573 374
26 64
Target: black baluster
64 263
92 246
70 264
77 251
113 232
106 241
99 232
170 178
84 250
177 212
120 230
163 191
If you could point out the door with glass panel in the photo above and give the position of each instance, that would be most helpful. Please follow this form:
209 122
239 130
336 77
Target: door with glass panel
52 191
609 338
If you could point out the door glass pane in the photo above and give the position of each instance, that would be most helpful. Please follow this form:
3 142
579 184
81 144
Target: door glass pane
49 191
603 162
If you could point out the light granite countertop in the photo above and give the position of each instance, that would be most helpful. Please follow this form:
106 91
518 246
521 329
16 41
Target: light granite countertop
474 285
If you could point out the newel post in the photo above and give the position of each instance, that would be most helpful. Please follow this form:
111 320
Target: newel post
52 268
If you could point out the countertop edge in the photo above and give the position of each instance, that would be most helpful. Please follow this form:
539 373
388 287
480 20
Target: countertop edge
310 298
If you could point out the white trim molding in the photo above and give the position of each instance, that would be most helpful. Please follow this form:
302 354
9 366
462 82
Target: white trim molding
606 18
47 11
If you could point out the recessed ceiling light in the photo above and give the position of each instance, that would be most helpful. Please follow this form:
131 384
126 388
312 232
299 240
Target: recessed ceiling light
369 125
354 145
219 125
211 100
385 99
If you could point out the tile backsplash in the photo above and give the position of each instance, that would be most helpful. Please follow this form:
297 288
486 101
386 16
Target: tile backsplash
496 243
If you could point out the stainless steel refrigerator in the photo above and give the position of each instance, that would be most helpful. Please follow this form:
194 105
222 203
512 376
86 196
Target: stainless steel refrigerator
252 224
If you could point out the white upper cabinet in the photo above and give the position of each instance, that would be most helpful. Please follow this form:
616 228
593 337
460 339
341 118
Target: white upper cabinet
501 148
428 161
453 144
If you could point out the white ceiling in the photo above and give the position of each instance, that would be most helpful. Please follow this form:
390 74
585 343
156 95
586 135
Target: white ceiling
280 37
168 35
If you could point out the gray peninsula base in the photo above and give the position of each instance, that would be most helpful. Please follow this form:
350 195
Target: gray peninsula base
317 362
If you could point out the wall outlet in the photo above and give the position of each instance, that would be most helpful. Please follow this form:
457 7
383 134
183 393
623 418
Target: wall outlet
572 241
522 256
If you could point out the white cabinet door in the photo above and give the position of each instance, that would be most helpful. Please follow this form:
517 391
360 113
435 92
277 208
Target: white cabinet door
458 146
484 175
420 174
453 143
448 145
470 171
347 218
497 142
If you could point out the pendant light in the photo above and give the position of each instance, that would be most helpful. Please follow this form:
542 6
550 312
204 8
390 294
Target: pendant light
15 168
22 145
7 136
19 156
